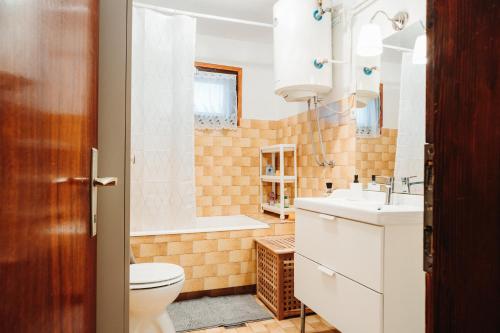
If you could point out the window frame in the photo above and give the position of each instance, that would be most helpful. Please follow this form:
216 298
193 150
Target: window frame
238 71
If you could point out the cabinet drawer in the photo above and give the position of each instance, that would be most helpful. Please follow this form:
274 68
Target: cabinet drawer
347 305
353 249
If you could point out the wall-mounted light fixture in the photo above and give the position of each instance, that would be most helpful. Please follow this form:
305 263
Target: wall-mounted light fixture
370 37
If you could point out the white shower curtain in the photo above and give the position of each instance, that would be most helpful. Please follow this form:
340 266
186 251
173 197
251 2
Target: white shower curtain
162 125
411 127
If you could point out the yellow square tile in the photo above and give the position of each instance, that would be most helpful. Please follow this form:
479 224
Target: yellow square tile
168 259
231 210
245 123
174 248
193 285
240 255
204 271
196 259
241 279
228 269
212 211
204 246
216 257
216 282
262 232
222 200
229 244
202 201
248 267
212 190
247 243
149 250
240 200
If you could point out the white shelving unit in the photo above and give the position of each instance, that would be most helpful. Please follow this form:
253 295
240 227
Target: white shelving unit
281 180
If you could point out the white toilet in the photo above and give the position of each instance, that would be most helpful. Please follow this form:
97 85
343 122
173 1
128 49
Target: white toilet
153 286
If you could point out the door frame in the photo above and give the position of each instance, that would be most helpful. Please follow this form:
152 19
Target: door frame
114 153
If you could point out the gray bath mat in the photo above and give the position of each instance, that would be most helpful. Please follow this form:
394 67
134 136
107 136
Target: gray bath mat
210 312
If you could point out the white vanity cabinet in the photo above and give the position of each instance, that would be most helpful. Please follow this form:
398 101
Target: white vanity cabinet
361 277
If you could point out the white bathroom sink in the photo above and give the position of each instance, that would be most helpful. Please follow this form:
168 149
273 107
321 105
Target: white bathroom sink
369 207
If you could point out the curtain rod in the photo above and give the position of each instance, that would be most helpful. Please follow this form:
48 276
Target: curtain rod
200 15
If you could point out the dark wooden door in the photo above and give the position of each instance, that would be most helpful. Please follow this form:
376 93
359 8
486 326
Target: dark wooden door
463 122
48 123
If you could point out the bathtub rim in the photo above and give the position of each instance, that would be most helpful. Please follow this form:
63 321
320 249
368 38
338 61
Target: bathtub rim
195 230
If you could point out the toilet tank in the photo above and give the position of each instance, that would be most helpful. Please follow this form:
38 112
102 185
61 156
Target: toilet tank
299 39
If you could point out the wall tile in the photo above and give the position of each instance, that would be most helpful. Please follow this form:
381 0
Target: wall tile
216 257
193 285
228 269
229 244
192 259
241 279
227 169
240 255
203 246
215 282
204 271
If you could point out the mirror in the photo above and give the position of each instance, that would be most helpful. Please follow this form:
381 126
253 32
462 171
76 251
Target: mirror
368 113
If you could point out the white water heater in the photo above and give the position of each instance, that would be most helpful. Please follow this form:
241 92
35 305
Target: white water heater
300 38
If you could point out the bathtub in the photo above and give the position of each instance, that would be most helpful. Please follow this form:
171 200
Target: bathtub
210 224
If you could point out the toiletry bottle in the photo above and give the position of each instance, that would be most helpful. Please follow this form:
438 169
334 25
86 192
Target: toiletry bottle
329 188
373 186
356 189
272 198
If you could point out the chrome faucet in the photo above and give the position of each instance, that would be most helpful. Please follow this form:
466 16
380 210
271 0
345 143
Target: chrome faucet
389 188
406 182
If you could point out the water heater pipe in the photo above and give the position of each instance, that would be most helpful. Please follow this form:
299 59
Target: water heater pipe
325 162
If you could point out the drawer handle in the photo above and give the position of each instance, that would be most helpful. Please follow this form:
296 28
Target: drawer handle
326 271
326 217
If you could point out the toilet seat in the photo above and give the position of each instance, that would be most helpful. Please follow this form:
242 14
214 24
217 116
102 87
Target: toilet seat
154 275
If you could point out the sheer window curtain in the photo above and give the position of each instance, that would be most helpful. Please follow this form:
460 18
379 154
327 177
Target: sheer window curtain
215 100
162 125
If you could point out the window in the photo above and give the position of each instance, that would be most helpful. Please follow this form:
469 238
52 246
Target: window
217 96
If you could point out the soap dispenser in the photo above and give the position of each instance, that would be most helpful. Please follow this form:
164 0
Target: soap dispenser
356 188
373 186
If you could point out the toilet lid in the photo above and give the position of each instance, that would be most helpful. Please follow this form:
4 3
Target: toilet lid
152 273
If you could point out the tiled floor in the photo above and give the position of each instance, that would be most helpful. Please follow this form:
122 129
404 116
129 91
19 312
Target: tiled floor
314 324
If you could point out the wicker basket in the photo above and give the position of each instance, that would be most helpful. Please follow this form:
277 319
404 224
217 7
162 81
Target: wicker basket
275 275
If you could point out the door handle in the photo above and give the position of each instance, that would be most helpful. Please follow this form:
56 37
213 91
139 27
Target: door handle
326 217
96 183
106 181
326 271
